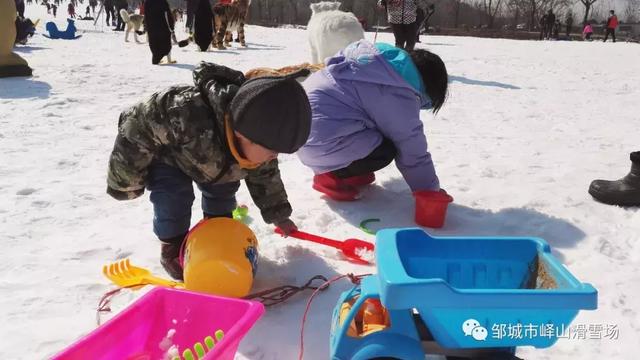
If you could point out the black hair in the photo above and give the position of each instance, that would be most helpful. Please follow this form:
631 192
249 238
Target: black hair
434 76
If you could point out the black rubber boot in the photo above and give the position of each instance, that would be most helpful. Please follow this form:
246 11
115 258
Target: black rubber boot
623 192
170 256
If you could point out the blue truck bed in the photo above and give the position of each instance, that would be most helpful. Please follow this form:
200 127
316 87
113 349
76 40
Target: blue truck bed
475 292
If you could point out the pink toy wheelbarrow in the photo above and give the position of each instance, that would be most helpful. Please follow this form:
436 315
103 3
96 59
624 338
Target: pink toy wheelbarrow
166 323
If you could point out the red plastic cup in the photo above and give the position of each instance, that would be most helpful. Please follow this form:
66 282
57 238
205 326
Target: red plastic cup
431 207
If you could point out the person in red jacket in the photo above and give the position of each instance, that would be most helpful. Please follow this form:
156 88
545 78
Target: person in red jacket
612 24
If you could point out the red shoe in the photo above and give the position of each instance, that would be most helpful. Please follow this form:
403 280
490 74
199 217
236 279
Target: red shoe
334 187
360 180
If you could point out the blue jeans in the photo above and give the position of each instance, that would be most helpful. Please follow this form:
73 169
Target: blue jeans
172 197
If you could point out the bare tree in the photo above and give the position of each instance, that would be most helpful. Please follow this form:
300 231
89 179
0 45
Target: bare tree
516 9
587 7
559 6
534 8
598 13
456 12
631 11
490 8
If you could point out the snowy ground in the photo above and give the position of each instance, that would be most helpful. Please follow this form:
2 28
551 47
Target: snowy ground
527 126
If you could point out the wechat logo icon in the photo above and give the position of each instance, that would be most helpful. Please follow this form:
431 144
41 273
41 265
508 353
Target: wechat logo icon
472 328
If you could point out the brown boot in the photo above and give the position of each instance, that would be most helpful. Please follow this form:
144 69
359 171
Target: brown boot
170 257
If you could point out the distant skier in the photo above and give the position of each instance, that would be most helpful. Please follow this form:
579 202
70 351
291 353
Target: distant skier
543 26
587 32
71 9
569 21
612 24
551 21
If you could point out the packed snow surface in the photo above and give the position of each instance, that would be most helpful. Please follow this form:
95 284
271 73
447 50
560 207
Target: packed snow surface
526 127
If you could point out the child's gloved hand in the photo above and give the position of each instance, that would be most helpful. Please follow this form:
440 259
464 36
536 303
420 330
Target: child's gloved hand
287 226
206 71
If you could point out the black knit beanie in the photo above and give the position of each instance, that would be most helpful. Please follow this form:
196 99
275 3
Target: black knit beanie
273 111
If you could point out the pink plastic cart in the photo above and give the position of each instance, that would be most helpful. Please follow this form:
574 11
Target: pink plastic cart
168 317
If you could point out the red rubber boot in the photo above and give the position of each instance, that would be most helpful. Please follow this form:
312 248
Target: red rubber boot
360 180
334 187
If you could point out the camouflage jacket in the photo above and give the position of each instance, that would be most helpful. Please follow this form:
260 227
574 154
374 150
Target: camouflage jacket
183 126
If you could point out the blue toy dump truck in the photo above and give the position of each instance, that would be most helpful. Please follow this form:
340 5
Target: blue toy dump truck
460 297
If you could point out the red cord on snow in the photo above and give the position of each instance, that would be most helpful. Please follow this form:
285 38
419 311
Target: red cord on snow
354 279
104 306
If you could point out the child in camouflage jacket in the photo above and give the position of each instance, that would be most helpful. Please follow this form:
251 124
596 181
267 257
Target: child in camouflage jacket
222 130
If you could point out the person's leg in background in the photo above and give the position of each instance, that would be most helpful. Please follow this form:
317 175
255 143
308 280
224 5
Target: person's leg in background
113 16
398 34
171 193
420 16
120 25
20 8
410 35
191 7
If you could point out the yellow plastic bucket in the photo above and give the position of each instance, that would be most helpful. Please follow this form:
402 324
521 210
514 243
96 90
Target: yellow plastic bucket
220 258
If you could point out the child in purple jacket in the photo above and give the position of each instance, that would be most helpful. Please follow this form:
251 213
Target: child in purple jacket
366 112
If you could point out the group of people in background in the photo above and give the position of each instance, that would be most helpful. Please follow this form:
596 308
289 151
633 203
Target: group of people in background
111 10
112 13
550 27
408 18
52 7
612 25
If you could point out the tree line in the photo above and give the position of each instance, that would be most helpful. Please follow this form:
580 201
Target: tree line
490 14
